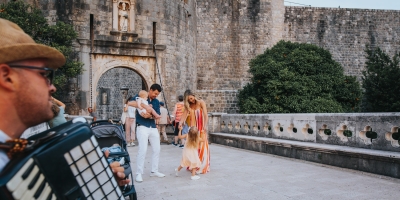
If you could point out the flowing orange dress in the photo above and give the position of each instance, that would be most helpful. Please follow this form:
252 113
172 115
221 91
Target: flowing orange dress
196 118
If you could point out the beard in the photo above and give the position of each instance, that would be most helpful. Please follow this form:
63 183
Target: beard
33 111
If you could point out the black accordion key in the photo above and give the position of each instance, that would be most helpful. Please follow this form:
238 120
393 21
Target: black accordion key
28 171
39 190
34 181
29 183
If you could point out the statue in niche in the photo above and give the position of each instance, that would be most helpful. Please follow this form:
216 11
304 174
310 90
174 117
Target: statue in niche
123 16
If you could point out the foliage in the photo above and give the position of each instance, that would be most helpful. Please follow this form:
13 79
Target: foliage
59 36
298 78
381 91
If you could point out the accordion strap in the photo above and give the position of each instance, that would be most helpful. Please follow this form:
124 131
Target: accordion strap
13 147
19 146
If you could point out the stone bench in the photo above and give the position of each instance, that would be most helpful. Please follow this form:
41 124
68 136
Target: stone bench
373 161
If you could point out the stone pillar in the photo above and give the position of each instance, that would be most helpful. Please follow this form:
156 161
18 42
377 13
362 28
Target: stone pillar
214 122
132 17
115 16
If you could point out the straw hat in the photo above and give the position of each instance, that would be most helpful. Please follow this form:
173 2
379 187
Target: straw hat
16 45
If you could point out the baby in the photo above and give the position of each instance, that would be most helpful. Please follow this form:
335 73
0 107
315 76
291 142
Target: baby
142 99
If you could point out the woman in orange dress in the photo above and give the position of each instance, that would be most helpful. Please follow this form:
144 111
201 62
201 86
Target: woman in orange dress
195 114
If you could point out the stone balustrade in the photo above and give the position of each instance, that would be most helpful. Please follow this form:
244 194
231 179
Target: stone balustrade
367 142
378 131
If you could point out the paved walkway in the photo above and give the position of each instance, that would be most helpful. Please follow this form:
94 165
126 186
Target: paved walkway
242 174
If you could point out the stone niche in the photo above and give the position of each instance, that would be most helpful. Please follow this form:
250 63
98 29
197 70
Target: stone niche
123 16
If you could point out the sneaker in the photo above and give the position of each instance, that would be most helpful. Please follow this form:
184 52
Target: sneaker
173 143
181 146
158 174
176 172
132 144
139 178
128 144
195 177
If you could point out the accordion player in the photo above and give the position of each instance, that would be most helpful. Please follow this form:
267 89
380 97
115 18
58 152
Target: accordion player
62 163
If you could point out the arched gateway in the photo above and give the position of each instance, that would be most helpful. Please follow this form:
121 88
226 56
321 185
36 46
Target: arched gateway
113 87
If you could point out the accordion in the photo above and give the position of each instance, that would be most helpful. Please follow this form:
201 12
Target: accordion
69 165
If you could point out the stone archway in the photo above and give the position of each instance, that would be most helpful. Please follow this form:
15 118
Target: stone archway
109 98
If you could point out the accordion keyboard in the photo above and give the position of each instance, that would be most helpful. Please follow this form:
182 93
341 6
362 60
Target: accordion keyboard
29 183
92 171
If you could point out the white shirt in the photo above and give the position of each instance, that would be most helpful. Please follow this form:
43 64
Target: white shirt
131 112
3 156
164 116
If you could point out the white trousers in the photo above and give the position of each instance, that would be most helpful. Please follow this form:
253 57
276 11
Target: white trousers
145 134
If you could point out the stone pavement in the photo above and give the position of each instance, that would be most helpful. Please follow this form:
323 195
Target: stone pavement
242 174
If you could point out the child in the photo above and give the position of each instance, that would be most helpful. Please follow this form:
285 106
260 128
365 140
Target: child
190 156
142 99
185 130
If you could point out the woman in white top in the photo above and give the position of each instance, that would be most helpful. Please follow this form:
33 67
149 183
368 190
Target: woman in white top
130 123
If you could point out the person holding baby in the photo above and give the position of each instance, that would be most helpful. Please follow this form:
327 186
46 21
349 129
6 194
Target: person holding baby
146 130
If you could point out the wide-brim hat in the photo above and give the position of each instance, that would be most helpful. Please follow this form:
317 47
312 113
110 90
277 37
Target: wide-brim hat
16 45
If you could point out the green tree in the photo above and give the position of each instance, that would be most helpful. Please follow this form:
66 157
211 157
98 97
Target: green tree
59 36
298 78
381 91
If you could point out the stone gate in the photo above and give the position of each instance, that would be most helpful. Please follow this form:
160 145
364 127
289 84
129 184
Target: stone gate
110 90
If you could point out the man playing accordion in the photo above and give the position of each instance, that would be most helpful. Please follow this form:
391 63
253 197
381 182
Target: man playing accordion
26 75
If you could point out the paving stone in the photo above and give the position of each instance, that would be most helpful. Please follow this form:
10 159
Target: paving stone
242 174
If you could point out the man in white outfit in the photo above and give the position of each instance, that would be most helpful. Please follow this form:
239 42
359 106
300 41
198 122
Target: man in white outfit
147 131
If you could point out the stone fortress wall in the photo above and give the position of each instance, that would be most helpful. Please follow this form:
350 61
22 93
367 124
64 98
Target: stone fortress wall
230 33
233 32
115 44
205 45
344 32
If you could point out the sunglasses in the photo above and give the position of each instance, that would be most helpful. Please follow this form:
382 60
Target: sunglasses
48 72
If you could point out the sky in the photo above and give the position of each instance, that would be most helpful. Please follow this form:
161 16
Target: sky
363 4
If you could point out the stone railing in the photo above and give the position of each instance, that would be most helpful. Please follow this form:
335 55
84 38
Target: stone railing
379 131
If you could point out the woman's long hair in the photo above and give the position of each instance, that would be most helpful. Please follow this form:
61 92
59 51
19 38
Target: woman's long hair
127 100
193 137
186 98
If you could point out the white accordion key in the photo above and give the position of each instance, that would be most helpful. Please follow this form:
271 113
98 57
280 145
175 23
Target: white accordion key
97 167
45 193
23 187
94 141
13 184
93 157
87 146
98 194
76 153
30 193
85 191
